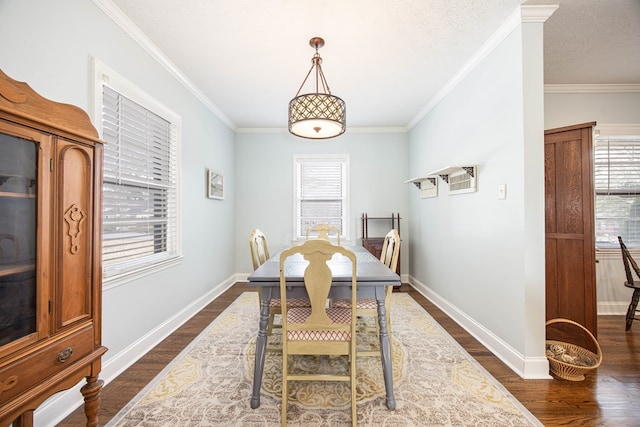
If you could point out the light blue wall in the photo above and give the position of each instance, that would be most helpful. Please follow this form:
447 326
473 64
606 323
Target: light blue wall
468 247
50 45
482 257
264 173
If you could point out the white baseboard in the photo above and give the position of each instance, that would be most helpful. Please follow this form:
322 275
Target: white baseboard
60 405
613 308
525 367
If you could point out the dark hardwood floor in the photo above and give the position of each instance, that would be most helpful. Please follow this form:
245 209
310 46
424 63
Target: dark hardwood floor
608 397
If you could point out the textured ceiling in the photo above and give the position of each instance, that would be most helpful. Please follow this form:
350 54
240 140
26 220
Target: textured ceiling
386 58
592 42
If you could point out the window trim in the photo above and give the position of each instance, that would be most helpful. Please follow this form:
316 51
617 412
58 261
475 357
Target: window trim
603 131
105 75
343 158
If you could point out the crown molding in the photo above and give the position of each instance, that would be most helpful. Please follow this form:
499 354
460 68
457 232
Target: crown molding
349 130
591 88
496 38
523 14
120 19
379 130
261 130
537 13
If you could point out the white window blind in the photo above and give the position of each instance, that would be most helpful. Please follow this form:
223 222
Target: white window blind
140 209
617 188
321 192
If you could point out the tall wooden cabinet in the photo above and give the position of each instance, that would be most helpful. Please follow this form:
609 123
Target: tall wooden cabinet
569 228
50 270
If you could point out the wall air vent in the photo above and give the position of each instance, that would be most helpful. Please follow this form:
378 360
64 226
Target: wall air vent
461 179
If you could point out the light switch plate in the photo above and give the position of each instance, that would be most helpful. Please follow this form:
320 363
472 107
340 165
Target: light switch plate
502 191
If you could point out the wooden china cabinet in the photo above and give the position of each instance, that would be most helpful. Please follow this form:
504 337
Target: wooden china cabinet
50 269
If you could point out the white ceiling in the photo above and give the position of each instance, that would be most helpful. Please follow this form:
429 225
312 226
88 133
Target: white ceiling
386 58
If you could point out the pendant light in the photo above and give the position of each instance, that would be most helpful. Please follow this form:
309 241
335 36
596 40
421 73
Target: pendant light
317 115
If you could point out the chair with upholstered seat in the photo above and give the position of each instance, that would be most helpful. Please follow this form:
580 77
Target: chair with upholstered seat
319 329
629 263
369 307
259 255
323 231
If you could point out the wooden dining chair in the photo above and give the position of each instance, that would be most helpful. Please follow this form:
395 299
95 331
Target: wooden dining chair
319 329
259 255
368 307
323 231
629 263
258 247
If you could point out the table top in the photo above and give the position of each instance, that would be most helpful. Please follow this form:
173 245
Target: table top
369 269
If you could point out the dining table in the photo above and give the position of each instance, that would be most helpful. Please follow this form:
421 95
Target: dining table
373 278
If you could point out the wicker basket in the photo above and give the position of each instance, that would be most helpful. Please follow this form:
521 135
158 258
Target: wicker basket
564 368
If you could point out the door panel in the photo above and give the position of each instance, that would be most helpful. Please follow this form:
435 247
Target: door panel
75 216
551 221
569 219
569 183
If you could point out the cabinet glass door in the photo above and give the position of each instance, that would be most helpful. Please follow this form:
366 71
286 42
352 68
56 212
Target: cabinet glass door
18 222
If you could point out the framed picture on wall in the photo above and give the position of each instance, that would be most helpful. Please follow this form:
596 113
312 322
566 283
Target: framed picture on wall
215 184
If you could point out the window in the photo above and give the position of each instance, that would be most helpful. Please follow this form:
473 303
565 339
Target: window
321 188
140 220
617 187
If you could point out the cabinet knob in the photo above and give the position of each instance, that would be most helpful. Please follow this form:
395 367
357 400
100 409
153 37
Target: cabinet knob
65 354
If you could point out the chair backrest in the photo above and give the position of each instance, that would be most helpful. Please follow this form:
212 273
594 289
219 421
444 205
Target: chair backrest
628 262
391 249
317 281
258 247
323 231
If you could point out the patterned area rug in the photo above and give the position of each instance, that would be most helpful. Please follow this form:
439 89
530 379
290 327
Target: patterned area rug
436 382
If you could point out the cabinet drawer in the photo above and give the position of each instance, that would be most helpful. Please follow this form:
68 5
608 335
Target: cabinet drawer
374 245
21 375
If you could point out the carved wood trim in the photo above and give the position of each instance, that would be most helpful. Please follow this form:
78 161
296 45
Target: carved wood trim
19 99
74 216
9 383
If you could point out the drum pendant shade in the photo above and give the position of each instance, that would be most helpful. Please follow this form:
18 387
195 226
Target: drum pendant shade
318 115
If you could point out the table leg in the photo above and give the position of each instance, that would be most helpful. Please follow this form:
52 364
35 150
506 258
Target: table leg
261 347
385 354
